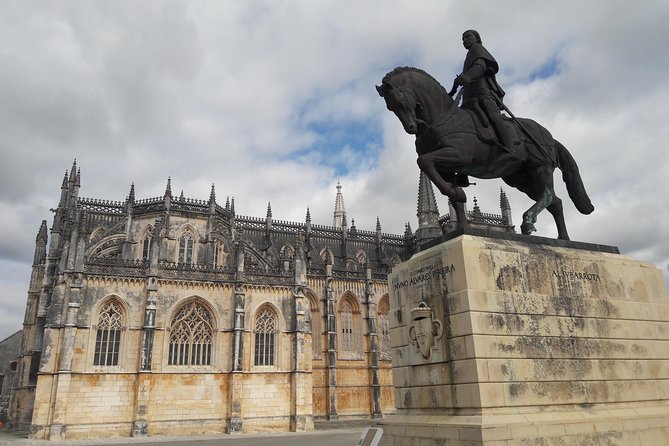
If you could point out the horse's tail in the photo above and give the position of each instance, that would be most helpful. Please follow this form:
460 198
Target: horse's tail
572 179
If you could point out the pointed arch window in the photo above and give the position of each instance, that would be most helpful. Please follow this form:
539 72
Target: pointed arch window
186 248
217 252
108 336
146 244
349 329
361 258
191 336
265 329
316 330
383 311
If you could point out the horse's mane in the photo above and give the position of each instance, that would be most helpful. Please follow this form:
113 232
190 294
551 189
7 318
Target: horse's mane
400 70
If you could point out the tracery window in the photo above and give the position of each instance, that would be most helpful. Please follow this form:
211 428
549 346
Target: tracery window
384 328
108 336
327 257
316 331
265 328
186 248
347 328
146 244
217 251
361 258
191 336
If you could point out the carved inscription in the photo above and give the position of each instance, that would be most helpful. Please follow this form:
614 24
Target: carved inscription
424 274
576 275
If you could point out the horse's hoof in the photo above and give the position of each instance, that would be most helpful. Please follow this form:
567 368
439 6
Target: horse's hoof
527 228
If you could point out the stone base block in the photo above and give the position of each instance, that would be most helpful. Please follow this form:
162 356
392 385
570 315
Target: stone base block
624 427
526 341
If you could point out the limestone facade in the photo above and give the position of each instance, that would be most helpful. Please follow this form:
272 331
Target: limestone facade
177 316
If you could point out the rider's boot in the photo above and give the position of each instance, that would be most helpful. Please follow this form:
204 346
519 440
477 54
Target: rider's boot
510 140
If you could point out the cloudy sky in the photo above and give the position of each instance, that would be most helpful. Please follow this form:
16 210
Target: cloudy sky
275 102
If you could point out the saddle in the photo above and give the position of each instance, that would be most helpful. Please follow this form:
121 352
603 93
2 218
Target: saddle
486 132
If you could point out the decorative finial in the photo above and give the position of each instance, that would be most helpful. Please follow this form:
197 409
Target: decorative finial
168 188
477 209
131 195
212 194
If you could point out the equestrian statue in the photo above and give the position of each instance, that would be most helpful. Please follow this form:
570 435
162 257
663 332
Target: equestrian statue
475 139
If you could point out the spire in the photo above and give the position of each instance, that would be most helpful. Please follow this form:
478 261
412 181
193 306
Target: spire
308 218
40 245
427 212
77 181
339 211
505 208
378 225
212 194
426 201
477 209
131 195
168 188
269 210
42 234
73 171
227 203
407 230
503 201
181 196
63 191
232 206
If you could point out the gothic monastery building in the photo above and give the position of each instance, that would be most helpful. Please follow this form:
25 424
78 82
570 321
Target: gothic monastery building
171 315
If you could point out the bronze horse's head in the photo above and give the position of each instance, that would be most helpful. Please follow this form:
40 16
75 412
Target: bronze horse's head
402 103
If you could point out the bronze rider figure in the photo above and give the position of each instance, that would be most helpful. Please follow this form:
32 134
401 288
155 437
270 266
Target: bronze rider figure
481 92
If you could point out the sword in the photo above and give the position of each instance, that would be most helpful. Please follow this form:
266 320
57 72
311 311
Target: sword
527 132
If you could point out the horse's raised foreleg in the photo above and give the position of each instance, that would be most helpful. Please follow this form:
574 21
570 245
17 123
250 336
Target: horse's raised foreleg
447 159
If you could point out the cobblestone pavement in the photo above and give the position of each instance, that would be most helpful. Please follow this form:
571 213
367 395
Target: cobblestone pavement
331 437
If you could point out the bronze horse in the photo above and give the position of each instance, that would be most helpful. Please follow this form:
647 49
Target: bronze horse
449 147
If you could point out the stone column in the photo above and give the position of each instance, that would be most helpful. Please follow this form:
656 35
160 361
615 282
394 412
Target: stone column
373 347
301 417
64 373
331 359
143 395
236 377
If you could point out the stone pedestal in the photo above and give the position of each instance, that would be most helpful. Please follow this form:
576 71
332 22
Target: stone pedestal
528 341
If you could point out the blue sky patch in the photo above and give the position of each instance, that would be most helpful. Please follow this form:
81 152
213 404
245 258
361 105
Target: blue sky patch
552 67
337 141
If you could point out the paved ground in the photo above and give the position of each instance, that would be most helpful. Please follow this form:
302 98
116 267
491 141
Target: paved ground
346 436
